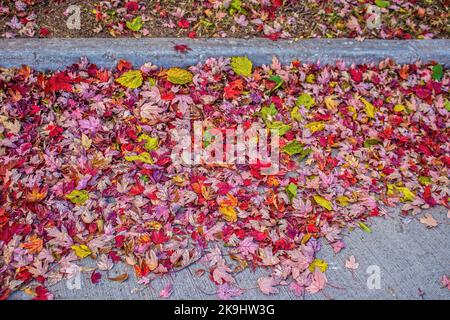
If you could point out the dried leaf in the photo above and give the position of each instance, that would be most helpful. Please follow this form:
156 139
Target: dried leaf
429 220
120 278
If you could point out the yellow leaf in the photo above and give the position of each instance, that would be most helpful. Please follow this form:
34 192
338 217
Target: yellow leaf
370 108
228 213
242 66
352 109
154 225
82 251
315 126
78 196
143 157
343 201
407 194
323 202
331 103
295 114
318 263
311 79
179 76
131 79
150 142
390 190
306 238
399 108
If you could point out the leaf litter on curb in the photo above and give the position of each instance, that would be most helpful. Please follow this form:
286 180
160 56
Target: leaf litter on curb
87 168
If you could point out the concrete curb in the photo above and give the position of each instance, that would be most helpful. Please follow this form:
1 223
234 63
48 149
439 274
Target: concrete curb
52 54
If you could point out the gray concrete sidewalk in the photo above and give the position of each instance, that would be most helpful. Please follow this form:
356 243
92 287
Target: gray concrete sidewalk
55 54
409 256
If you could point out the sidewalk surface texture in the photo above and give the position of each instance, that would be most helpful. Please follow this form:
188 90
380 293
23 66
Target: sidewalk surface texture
411 258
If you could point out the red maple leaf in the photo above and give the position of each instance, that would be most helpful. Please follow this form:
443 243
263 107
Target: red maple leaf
182 48
59 82
132 6
95 277
183 23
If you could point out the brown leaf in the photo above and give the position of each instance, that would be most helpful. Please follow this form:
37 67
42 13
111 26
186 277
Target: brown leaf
120 278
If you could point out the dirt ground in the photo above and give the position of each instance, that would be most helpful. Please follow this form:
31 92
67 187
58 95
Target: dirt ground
309 21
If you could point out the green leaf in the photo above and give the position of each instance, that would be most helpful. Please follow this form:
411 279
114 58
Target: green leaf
295 114
424 180
236 6
135 24
292 148
131 79
438 72
280 126
277 79
179 76
382 3
207 138
268 111
150 142
242 66
371 142
365 228
144 157
323 202
291 190
305 100
78 196
304 154
447 105
144 178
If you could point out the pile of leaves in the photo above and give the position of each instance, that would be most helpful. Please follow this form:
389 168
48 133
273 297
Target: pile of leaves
233 18
87 168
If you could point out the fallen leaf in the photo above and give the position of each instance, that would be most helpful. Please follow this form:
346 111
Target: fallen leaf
82 251
179 76
351 263
242 66
323 202
429 221
266 285
120 278
131 79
